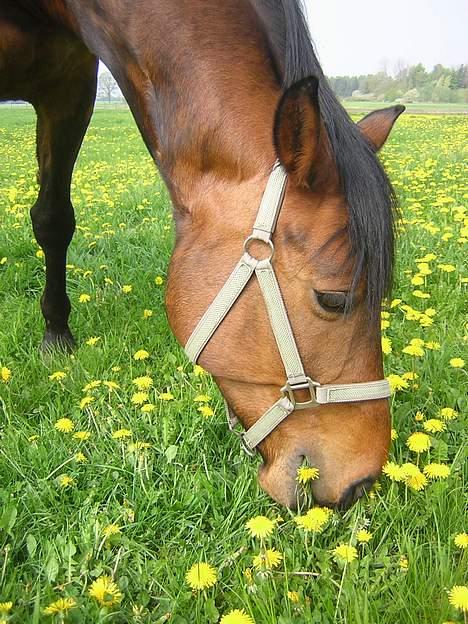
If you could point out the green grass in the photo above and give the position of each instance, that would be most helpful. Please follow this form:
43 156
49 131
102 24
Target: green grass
187 497
444 108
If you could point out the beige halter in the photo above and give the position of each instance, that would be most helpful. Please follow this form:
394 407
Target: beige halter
264 227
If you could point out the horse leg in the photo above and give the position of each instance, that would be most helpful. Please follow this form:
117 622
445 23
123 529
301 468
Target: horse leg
63 115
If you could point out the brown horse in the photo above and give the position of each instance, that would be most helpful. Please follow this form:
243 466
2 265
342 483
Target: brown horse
220 90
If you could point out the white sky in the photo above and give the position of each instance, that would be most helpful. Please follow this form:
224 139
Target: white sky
355 36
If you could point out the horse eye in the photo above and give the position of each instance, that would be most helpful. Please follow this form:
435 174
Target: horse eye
333 301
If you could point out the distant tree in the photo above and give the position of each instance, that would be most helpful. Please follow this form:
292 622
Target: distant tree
417 76
409 83
107 86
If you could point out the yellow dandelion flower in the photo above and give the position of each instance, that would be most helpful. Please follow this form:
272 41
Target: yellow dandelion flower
92 385
138 446
419 416
147 408
448 413
306 473
436 471
57 376
424 269
425 321
84 298
158 280
82 436
166 396
397 382
417 280
198 371
363 536
81 458
434 425
105 591
85 401
414 478
457 362
293 596
205 410
127 288
420 294
461 540
393 471
64 425
5 374
394 303
260 526
393 434
418 442
447 268
345 552
122 433
60 606
201 576
414 350
111 385
66 481
248 576
386 345
237 616
139 398
143 383
91 342
314 520
410 375
141 355
147 314
267 559
111 529
202 398
403 562
384 324
5 607
458 597
433 346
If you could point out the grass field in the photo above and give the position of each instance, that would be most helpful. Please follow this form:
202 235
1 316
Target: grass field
440 108
142 480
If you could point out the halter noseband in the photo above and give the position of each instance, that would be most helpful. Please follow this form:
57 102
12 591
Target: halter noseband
264 227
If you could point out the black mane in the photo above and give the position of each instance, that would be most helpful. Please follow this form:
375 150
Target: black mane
365 185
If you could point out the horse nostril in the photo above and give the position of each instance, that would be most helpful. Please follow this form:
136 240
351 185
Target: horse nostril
355 491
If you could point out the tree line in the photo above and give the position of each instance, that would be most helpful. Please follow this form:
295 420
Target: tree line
409 84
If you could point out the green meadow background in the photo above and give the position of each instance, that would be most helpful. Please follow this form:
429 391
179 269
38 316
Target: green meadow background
174 489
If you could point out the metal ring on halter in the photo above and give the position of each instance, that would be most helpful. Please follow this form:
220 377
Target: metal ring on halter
268 242
310 385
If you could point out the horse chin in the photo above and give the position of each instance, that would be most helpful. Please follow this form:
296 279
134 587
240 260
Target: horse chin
278 479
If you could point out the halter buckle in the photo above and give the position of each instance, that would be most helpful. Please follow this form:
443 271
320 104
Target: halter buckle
290 388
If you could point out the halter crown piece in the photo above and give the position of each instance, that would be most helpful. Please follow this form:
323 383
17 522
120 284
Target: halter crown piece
264 227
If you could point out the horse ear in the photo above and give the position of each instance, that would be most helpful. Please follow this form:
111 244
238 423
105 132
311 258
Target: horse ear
376 126
297 129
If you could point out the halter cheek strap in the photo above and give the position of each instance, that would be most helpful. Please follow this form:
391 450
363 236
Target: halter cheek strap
264 227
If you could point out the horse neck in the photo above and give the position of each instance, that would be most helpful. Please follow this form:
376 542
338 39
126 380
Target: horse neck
199 80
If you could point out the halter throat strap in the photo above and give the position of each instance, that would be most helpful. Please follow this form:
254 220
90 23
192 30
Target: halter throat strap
297 380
